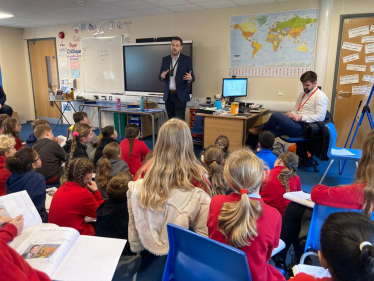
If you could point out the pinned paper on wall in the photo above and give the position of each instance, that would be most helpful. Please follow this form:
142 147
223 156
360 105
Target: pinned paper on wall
367 39
62 59
91 27
352 46
369 59
351 58
356 67
349 79
372 28
111 26
359 31
372 68
368 78
369 48
74 63
83 26
119 25
76 28
75 73
359 90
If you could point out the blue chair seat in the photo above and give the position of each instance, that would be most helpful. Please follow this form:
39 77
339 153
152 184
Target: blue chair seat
357 154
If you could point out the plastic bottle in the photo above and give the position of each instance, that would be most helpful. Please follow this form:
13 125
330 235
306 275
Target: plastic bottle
72 94
141 104
118 104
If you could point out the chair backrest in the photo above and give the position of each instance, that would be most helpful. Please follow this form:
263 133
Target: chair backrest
198 125
195 257
320 213
333 136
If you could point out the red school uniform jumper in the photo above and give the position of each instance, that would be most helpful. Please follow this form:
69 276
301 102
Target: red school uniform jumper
71 204
13 266
19 144
347 196
272 190
4 175
139 151
259 252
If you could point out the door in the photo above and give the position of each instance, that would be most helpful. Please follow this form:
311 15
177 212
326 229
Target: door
44 76
352 62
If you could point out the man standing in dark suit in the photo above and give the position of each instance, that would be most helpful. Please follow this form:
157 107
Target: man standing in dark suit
176 71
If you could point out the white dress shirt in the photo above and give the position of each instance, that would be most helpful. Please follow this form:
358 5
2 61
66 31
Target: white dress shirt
314 109
172 85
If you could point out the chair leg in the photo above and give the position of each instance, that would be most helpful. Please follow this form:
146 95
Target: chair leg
356 164
328 167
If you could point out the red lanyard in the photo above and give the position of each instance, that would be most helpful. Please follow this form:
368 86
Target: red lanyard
300 106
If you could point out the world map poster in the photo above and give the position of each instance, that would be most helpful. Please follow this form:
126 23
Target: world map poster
276 44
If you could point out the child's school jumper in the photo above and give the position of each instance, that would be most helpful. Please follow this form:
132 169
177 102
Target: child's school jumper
4 175
71 204
13 266
259 252
272 190
139 151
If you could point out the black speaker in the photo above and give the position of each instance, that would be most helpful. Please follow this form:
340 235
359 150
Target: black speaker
152 40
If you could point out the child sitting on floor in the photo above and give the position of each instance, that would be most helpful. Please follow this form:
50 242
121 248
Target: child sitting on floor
109 135
77 146
265 144
12 128
6 150
280 180
223 142
2 118
32 138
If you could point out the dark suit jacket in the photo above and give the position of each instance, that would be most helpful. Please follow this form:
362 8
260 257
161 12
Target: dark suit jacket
183 87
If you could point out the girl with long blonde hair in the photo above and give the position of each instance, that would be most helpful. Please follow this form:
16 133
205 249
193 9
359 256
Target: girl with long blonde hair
109 166
172 191
242 219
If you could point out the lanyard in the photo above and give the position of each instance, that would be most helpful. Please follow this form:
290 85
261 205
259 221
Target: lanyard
173 67
300 106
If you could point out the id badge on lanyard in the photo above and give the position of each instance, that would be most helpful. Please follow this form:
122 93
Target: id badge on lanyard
173 67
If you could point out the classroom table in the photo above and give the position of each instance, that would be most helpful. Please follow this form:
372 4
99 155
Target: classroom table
234 127
128 111
62 111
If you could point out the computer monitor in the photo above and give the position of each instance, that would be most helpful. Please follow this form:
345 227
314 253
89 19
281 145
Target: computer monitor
234 87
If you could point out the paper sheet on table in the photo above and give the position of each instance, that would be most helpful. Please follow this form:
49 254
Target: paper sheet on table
316 271
356 67
341 152
351 58
91 258
359 31
349 79
299 197
19 203
352 46
48 199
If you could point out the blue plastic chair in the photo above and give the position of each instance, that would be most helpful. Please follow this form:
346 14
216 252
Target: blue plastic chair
198 125
334 155
320 213
195 257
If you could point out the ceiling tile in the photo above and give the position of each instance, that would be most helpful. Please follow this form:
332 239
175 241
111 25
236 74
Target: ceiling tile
135 5
252 2
116 10
185 8
49 4
218 4
156 11
82 3
166 3
200 1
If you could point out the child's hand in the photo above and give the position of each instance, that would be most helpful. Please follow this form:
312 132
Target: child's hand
18 223
91 186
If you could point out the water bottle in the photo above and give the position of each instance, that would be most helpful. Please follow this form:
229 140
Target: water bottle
141 104
118 104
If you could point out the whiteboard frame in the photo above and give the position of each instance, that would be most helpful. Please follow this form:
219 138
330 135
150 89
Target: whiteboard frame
148 94
123 67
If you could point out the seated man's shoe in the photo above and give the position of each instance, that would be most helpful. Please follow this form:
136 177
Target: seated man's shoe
255 131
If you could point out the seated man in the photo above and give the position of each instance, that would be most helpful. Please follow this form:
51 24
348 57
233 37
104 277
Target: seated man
4 109
311 106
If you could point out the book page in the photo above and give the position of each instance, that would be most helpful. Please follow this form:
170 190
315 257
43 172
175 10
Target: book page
19 203
91 258
46 248
48 199
299 197
316 271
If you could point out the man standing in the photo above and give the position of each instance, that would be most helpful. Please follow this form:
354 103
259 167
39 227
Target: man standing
310 106
176 71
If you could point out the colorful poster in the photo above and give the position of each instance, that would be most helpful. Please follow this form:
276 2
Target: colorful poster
75 73
74 63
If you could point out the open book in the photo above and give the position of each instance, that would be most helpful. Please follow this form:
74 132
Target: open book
316 271
300 197
60 252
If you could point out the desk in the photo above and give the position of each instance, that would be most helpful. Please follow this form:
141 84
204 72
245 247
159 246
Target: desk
62 112
234 127
149 112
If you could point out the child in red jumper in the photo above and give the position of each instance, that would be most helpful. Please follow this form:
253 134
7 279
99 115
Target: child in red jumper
12 128
133 150
77 198
346 248
2 118
280 180
6 150
242 219
13 266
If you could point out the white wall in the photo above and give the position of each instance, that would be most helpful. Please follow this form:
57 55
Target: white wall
210 31
14 66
